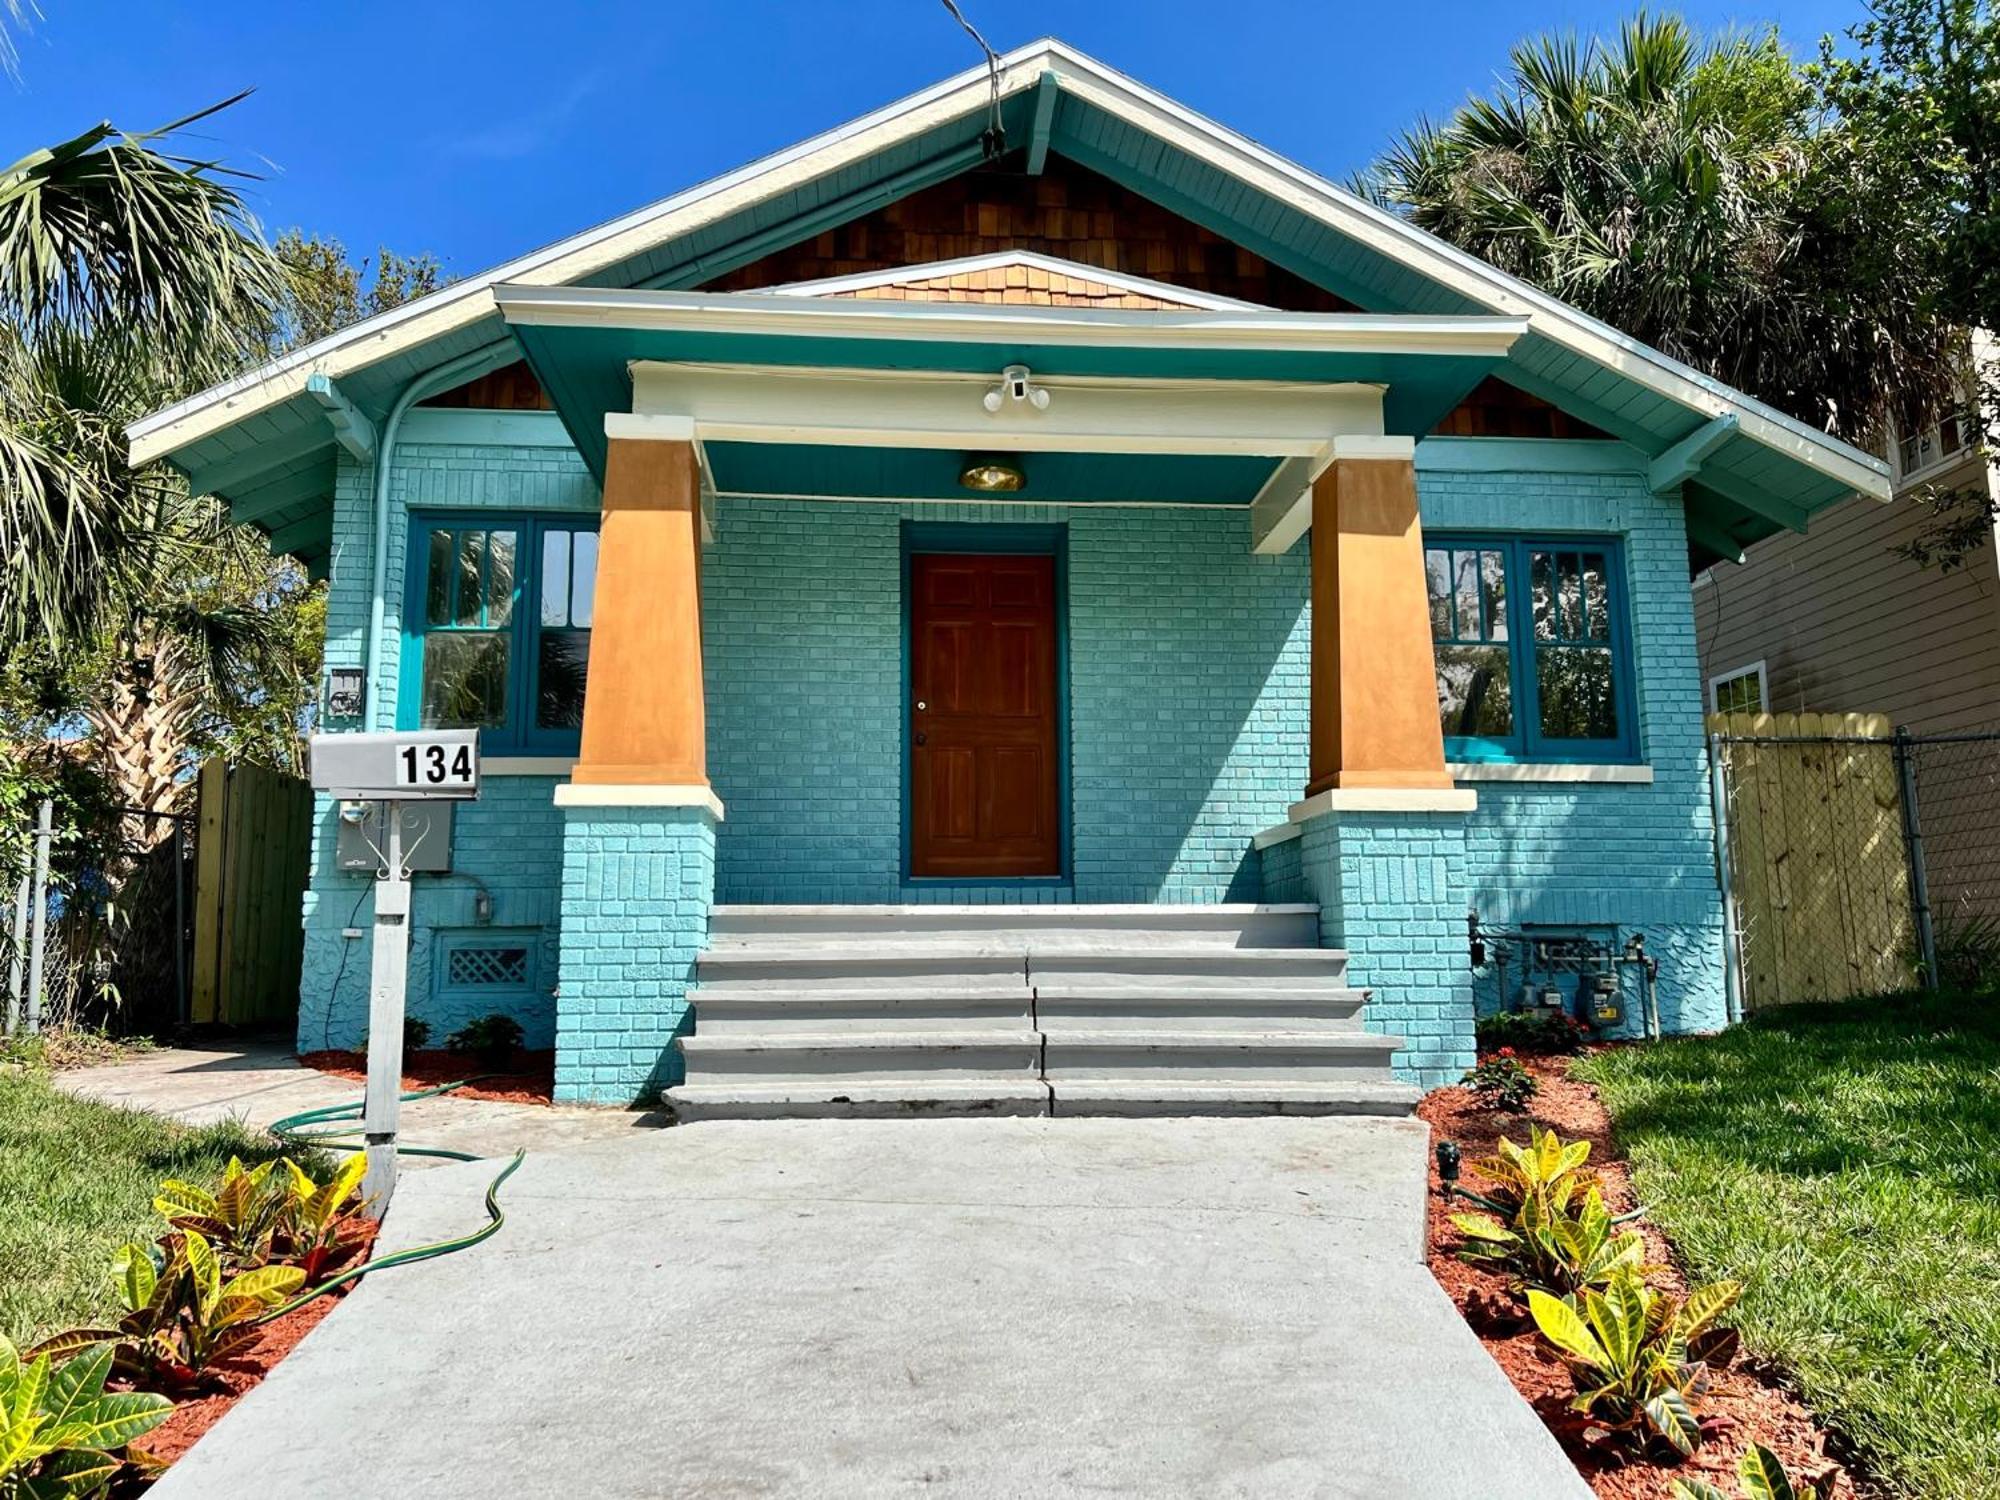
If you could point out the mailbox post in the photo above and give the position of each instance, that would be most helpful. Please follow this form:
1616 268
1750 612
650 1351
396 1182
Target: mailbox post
392 769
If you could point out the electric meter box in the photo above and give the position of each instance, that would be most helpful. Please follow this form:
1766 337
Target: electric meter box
426 838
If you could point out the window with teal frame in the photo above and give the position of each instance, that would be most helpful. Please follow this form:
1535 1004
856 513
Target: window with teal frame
496 628
1533 645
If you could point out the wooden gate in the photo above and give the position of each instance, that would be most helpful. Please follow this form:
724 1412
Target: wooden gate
1819 867
253 847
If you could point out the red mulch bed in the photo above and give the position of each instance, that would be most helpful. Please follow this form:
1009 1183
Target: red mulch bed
530 1078
233 1379
1745 1405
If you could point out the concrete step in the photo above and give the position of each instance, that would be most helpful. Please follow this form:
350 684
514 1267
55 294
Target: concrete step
1217 1056
769 1009
858 966
1221 970
833 1098
1159 1005
1154 1097
860 1056
1017 928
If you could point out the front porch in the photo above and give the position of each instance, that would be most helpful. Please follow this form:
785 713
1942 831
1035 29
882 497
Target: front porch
806 685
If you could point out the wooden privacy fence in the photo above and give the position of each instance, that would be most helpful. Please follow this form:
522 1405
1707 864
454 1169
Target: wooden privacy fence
1819 862
253 845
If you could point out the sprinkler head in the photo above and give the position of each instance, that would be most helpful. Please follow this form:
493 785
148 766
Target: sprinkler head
1448 1159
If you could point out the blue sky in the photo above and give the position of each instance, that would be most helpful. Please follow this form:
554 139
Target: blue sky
479 131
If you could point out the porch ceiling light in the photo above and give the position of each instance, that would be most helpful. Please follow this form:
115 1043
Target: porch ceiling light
991 473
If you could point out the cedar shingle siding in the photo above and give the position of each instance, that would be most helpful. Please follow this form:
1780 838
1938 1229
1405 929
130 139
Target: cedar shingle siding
1067 212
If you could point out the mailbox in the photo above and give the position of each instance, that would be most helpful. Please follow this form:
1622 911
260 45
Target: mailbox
416 765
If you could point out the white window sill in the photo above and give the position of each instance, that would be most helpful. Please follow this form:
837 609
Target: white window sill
527 765
1547 771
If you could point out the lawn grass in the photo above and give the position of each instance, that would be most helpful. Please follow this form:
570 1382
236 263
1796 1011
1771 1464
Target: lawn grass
1843 1162
76 1181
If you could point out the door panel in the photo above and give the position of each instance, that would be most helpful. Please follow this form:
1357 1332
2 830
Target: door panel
984 775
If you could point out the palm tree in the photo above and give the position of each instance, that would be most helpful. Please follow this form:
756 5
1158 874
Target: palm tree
143 273
1690 193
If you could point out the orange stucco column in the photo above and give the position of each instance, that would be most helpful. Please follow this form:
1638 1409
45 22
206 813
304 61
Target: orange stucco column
1374 683
644 721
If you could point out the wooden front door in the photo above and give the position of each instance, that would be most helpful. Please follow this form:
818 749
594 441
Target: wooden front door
985 784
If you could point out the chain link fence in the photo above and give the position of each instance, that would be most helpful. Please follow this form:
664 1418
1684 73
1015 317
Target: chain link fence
1856 859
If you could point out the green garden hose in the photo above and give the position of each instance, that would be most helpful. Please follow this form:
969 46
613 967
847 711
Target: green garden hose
309 1129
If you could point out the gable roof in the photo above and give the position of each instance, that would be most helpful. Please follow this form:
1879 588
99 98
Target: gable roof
263 439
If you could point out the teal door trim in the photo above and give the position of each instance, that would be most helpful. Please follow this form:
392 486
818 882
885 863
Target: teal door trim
1006 539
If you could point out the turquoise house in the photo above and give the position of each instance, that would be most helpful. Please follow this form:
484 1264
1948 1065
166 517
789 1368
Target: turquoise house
1026 600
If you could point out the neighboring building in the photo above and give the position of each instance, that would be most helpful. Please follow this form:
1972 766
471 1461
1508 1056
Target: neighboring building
1835 620
1001 562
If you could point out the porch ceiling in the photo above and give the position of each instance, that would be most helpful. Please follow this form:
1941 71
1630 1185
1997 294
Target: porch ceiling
802 469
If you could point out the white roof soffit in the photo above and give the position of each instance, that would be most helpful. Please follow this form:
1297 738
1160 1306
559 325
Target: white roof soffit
1088 80
981 322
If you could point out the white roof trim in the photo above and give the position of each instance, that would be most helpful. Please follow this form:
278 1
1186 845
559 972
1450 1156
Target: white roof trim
938 270
981 322
466 302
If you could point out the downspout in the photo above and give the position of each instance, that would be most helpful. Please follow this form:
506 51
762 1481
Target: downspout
465 367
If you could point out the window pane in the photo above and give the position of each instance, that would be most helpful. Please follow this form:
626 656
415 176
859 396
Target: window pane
555 578
1596 598
1437 574
1571 627
471 574
583 573
1475 696
1493 583
1542 594
437 580
465 680
499 577
1578 700
1465 595
564 663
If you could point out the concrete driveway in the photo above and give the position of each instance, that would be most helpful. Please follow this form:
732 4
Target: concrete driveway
989 1307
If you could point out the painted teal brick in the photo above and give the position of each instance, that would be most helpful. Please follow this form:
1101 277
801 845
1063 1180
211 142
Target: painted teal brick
1187 699
637 884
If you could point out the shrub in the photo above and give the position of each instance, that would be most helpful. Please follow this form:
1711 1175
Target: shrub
1761 1476
1538 1033
183 1313
322 1221
60 1430
1560 1253
494 1038
1502 1082
240 1218
1638 1358
1968 952
1548 1169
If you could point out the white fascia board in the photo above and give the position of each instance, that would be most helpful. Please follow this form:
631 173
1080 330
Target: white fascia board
1245 329
937 270
1357 219
916 409
569 259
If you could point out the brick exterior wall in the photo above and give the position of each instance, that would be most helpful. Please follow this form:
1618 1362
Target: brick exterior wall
510 840
1187 662
1391 891
1188 682
637 883
1640 858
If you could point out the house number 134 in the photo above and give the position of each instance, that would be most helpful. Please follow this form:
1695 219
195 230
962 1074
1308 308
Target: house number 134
434 765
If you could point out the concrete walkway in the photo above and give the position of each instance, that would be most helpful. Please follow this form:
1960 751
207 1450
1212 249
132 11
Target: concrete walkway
261 1082
979 1307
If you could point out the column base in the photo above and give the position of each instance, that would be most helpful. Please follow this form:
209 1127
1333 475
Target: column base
1392 890
638 882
